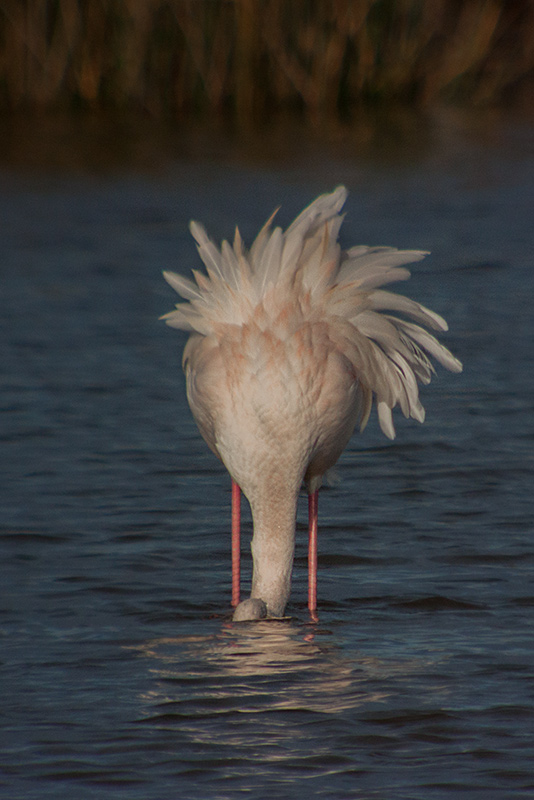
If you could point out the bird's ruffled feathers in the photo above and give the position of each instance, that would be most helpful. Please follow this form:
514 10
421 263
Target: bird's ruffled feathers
343 288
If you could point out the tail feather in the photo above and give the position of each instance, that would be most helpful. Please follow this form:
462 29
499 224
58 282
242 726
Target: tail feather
387 301
431 345
368 265
260 242
320 259
183 286
323 208
207 251
267 269
306 265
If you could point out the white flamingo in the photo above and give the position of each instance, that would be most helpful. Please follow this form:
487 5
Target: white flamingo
288 346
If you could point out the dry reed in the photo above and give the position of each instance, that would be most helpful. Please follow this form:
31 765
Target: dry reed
253 58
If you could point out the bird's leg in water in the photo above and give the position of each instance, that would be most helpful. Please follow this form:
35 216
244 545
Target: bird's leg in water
236 542
313 510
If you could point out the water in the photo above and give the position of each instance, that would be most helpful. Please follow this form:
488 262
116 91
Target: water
122 675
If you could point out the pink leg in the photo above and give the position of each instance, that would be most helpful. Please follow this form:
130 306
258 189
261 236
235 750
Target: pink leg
313 512
236 543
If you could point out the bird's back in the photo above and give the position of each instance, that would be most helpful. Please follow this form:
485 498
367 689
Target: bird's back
275 394
289 343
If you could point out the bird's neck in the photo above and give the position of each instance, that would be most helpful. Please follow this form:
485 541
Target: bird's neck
273 547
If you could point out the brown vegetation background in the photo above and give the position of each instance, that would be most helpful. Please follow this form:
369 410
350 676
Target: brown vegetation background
250 59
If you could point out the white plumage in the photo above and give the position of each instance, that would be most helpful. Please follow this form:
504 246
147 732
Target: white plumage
290 341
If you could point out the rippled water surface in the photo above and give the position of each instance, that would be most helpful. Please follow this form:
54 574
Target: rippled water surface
121 672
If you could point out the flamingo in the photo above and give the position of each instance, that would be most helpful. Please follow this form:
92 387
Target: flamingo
288 347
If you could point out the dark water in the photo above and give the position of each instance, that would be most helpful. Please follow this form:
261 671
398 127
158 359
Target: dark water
121 674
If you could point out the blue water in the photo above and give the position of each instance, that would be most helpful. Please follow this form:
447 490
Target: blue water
121 674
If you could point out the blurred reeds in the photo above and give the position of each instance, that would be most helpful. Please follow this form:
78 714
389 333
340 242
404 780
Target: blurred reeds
251 59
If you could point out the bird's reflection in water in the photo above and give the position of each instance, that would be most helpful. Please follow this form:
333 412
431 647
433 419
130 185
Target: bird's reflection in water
255 702
265 666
